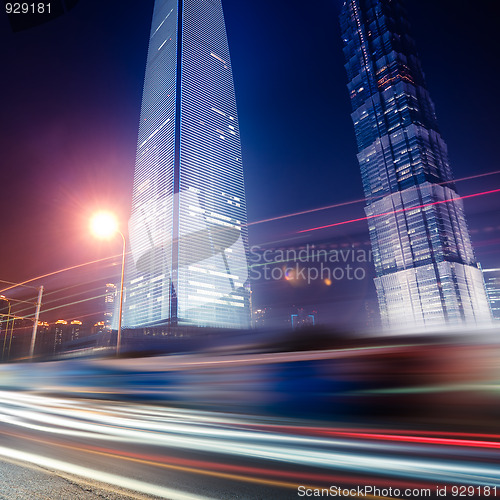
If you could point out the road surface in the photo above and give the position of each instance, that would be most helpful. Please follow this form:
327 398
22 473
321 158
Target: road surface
154 451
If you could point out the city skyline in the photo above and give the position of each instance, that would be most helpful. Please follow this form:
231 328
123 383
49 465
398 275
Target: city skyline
212 285
82 98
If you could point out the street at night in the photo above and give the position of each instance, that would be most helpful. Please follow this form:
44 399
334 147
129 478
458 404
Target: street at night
249 250
133 424
169 453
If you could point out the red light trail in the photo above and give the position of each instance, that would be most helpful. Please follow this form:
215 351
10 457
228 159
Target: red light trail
409 436
401 210
23 283
360 200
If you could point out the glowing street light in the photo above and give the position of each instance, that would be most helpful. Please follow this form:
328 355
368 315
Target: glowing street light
104 226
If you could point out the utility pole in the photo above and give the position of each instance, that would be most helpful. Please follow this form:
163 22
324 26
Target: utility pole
35 324
119 333
6 334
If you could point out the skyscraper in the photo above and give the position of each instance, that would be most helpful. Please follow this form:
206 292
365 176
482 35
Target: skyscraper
187 231
109 305
492 282
426 271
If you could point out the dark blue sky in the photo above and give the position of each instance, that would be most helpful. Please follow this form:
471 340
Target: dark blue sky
71 100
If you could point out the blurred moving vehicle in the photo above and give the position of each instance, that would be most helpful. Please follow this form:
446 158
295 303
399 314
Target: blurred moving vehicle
454 380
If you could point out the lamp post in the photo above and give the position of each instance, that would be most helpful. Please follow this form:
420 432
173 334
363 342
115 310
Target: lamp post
104 225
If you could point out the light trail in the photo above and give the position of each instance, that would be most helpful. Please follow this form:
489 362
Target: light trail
25 283
104 477
225 437
229 471
70 268
66 304
327 431
46 303
19 312
401 210
13 283
420 439
360 200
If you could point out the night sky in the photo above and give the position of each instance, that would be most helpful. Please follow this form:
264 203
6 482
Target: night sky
70 112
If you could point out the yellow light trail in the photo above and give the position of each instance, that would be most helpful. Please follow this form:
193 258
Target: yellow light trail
183 468
60 271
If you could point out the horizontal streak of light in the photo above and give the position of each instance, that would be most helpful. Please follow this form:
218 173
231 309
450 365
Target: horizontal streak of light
44 311
198 467
60 271
104 477
32 302
229 471
80 284
408 468
401 210
418 439
325 431
360 200
59 291
58 300
192 470
13 283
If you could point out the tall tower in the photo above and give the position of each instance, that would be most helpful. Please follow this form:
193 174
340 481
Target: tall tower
109 305
187 231
425 265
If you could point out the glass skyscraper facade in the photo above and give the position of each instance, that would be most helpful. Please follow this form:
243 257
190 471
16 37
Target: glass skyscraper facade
426 272
187 231
492 282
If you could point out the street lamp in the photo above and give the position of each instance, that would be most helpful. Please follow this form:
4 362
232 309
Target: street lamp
104 225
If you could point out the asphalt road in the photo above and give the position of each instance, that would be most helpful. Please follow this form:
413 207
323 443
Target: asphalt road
20 481
152 451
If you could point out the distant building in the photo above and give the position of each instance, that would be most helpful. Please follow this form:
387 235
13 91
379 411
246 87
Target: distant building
426 271
110 298
75 330
492 282
59 329
98 327
62 332
51 339
372 320
44 340
302 318
261 317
